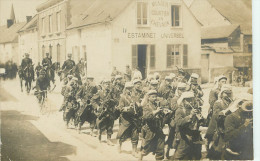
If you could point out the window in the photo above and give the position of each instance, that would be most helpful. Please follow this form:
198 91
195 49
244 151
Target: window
173 55
58 53
250 48
134 56
58 22
43 25
175 15
142 13
152 56
50 50
50 24
185 55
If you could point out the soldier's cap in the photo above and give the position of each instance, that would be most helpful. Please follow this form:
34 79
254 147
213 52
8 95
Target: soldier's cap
185 95
69 54
118 77
226 88
181 85
137 81
26 54
42 73
47 53
69 76
247 106
168 78
194 75
222 77
152 92
156 75
154 82
75 78
128 85
127 65
172 75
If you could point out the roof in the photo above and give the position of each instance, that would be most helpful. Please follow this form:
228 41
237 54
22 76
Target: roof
237 12
47 4
218 31
95 11
30 25
10 34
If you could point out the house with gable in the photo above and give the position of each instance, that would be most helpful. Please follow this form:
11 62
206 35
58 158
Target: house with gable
226 34
153 35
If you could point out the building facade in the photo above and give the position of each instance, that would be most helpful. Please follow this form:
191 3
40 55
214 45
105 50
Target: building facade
28 39
155 36
52 21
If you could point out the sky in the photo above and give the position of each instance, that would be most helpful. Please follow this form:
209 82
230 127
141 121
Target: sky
22 8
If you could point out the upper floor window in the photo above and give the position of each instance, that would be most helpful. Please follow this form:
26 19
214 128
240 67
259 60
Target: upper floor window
50 24
142 13
176 15
43 25
58 21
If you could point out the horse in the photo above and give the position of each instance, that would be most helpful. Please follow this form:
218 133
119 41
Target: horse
28 76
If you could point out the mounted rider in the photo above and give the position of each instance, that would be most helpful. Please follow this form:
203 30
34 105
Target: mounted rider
47 60
68 65
26 62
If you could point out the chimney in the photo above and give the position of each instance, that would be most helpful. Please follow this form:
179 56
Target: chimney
9 23
28 18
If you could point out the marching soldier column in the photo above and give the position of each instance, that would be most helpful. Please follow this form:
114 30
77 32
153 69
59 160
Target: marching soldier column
144 108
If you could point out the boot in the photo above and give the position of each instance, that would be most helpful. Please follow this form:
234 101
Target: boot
119 147
134 151
109 140
140 157
167 154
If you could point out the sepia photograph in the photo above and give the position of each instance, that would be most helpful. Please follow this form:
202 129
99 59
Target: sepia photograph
126 80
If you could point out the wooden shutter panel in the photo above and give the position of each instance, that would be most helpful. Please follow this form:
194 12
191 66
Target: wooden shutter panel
134 56
168 56
185 55
152 56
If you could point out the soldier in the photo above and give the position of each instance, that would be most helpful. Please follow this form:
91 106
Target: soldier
239 132
137 93
37 69
66 84
213 95
26 61
70 101
165 89
224 100
117 87
47 60
188 139
130 119
153 86
68 65
104 105
174 106
41 86
128 73
84 96
153 136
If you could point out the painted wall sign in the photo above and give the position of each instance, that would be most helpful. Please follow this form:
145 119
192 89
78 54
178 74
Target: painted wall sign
160 13
155 35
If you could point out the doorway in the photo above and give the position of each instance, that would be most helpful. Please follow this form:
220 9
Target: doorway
141 56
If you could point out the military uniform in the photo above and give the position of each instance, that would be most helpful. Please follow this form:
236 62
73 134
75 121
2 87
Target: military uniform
67 66
86 111
238 137
41 87
165 91
188 146
47 61
104 105
70 102
38 69
26 62
130 120
153 137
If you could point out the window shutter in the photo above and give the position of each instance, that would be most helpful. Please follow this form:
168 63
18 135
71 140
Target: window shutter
134 56
152 57
168 56
185 55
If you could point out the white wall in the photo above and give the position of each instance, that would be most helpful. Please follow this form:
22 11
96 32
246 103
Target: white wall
9 51
125 24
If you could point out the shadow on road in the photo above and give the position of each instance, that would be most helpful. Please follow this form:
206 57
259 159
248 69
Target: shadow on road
21 140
